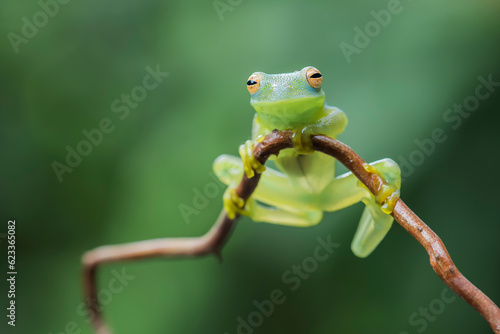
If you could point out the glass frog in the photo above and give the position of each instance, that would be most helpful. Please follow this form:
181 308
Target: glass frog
304 185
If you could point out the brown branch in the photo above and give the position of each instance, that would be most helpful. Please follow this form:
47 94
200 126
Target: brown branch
440 259
213 241
210 243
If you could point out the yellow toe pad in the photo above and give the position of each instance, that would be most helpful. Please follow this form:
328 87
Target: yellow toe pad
386 195
250 164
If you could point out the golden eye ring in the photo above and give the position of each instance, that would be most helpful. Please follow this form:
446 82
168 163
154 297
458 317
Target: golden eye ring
253 84
314 78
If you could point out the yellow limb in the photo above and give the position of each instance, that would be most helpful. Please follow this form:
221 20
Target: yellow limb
233 204
301 140
386 195
260 139
250 164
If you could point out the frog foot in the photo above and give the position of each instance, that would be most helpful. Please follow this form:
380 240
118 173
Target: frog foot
301 140
233 204
386 193
250 164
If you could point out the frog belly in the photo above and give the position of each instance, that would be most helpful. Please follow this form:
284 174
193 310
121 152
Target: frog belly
311 173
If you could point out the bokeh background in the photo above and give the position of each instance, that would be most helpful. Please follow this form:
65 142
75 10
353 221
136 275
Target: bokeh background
394 91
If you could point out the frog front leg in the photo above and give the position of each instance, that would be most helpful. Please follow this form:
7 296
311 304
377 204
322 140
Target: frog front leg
345 190
331 122
233 204
285 204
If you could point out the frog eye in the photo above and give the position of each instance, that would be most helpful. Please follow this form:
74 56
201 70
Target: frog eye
253 83
314 78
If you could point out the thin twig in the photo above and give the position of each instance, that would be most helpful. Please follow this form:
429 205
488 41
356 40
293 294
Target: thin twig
213 241
440 259
210 243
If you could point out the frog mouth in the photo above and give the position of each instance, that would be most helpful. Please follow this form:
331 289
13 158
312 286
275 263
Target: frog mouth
290 107
299 102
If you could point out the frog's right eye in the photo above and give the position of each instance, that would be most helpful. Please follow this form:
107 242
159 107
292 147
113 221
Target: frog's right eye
314 78
253 84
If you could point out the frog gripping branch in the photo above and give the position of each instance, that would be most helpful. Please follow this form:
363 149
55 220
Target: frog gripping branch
305 185
295 129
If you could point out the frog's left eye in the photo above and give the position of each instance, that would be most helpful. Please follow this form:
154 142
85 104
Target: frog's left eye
253 83
314 78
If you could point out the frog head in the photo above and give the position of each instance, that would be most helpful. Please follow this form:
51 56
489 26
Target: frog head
288 99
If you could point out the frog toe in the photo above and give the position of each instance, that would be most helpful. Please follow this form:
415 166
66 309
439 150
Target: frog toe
233 204
302 141
387 187
250 164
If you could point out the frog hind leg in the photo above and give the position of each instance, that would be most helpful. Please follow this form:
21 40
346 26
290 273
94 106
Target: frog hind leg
226 168
372 229
375 223
283 216
275 200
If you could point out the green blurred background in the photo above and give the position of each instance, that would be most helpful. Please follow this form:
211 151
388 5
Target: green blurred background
396 90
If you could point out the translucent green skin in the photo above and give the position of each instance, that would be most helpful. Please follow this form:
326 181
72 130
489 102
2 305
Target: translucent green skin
305 185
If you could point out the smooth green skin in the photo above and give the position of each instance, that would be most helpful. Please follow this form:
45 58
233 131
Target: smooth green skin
305 185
